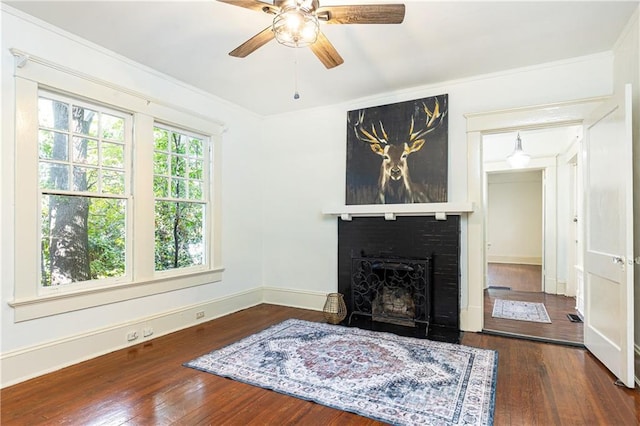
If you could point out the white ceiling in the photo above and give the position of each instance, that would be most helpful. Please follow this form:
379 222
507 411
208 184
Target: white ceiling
438 41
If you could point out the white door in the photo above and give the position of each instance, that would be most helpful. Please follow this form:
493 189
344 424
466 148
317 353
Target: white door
608 256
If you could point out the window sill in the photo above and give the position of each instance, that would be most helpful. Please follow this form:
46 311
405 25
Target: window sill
53 304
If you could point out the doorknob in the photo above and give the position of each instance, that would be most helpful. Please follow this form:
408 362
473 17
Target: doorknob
618 259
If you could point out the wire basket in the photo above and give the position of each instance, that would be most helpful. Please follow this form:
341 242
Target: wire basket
335 310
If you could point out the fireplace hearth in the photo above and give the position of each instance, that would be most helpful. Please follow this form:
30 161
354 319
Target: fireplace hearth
382 243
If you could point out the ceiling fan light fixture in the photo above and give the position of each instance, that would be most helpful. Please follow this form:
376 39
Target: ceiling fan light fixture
296 24
518 158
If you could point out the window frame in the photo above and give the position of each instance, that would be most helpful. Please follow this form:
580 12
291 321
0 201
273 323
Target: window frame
127 195
29 302
206 199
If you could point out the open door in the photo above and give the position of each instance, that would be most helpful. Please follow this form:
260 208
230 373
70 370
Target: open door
608 255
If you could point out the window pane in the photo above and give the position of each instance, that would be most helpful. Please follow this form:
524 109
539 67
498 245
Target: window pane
85 151
179 234
81 239
161 186
53 145
54 176
178 188
195 190
112 127
195 147
85 121
161 138
112 155
178 166
53 114
179 143
112 182
85 179
160 163
195 169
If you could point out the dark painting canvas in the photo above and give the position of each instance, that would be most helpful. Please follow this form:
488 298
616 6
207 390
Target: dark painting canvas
397 153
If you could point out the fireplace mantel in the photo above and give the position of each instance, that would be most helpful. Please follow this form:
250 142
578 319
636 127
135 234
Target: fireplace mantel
390 211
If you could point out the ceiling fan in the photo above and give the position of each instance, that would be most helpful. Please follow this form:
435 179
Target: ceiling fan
296 24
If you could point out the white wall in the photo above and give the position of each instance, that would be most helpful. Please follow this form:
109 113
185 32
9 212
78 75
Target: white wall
514 217
241 209
312 174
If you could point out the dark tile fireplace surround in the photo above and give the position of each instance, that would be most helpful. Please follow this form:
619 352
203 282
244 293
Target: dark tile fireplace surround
422 238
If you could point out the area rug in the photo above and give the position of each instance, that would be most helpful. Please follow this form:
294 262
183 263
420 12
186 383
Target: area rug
521 311
390 378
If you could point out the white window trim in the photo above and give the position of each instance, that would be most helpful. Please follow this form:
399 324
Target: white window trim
207 196
32 74
128 144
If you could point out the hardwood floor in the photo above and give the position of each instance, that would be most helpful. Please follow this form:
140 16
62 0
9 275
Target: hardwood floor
146 384
524 282
516 277
560 329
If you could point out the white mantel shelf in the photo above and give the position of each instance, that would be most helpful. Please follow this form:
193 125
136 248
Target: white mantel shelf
390 211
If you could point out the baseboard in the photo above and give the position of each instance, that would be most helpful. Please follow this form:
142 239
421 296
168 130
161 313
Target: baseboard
637 363
20 365
294 298
471 319
516 260
561 288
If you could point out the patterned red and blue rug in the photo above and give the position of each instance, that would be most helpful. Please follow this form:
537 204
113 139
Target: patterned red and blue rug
394 379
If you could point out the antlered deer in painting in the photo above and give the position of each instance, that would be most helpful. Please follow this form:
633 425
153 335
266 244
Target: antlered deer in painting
394 182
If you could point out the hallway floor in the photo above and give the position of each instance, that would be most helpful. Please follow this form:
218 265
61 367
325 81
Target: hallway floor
525 283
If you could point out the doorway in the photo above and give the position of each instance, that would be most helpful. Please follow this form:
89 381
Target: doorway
528 239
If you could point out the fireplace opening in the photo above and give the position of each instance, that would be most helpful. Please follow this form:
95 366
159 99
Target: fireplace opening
392 290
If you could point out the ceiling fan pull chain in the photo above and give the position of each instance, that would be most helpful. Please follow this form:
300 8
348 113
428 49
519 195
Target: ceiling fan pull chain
296 95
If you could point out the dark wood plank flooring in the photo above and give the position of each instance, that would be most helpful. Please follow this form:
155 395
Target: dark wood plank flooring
515 276
560 329
525 283
146 384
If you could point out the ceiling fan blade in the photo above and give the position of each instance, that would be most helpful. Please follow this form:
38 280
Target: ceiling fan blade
325 51
362 14
255 42
253 5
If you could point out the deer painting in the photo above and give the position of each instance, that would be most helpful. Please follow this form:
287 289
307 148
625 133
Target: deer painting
396 134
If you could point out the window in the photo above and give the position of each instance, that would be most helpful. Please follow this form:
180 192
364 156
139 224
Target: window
180 189
111 202
83 190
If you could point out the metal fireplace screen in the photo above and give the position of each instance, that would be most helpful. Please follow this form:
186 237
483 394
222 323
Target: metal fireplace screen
391 290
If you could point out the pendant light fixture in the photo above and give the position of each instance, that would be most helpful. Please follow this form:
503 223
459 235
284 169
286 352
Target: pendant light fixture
518 158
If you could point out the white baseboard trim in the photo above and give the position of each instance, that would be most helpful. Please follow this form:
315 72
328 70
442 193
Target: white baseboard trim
550 286
637 356
295 298
517 260
471 319
27 363
561 288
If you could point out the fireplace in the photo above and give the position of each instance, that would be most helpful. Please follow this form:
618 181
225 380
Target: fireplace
391 290
383 248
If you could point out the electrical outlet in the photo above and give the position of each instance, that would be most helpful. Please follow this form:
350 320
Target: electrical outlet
132 335
146 332
199 314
